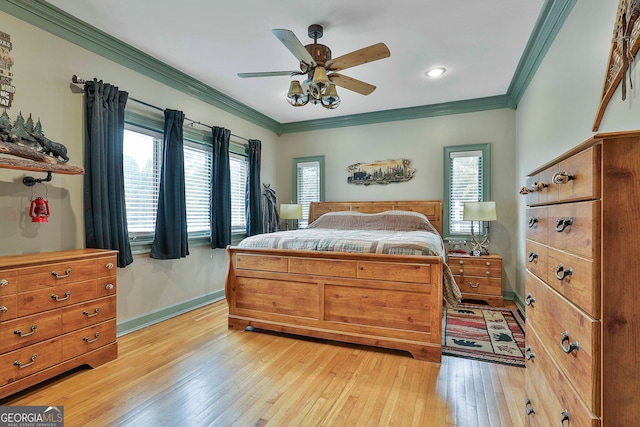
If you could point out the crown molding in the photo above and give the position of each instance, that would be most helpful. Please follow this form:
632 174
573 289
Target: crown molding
410 113
552 17
57 22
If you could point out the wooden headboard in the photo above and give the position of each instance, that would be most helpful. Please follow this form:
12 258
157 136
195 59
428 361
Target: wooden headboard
432 209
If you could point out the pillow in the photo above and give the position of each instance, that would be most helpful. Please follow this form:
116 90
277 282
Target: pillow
389 220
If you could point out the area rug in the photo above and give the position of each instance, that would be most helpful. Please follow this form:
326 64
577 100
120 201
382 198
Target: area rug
490 334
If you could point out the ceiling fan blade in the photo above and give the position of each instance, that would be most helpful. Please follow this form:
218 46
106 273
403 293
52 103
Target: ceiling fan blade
351 84
294 45
268 74
358 57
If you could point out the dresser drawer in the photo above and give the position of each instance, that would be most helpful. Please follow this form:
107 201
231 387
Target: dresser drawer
106 287
28 330
8 307
107 266
560 399
88 339
479 285
55 274
538 224
561 325
82 315
575 228
578 177
577 279
56 297
8 282
29 360
537 259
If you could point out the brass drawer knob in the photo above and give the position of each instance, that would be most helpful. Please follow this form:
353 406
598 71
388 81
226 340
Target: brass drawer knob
109 266
561 178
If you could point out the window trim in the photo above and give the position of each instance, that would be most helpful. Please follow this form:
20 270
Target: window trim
294 172
485 148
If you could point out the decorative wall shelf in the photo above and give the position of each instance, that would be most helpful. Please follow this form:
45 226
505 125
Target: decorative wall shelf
30 165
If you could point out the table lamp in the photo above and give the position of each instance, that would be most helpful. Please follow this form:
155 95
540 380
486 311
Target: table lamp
479 211
290 212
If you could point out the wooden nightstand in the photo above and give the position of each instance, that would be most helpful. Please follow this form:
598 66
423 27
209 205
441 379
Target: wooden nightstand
479 277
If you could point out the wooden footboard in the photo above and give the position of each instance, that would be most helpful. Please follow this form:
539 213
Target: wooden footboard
389 301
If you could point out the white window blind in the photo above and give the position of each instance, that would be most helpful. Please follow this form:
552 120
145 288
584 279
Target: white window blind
238 165
197 179
308 188
465 185
142 154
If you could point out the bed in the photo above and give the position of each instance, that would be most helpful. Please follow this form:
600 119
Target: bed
389 298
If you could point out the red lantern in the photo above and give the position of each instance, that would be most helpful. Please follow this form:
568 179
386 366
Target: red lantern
39 211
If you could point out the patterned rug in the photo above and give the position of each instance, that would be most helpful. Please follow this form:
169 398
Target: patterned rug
490 334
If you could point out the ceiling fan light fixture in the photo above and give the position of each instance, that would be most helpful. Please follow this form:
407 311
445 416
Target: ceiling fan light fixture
435 72
330 99
320 82
296 96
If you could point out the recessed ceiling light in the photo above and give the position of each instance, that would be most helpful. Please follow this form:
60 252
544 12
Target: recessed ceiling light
435 72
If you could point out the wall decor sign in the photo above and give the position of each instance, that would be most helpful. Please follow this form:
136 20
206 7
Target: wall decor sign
624 47
380 172
6 61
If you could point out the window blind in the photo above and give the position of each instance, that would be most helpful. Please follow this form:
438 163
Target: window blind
465 185
308 179
238 166
197 178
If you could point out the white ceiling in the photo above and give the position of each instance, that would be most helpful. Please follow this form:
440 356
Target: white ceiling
479 42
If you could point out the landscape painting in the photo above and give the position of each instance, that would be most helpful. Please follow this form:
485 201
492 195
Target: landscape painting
380 172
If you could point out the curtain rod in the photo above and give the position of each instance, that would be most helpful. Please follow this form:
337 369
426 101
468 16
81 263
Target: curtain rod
77 80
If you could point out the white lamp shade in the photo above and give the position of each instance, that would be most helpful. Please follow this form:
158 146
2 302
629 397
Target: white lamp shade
479 211
292 211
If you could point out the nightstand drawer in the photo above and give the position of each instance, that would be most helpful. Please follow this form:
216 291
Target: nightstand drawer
479 285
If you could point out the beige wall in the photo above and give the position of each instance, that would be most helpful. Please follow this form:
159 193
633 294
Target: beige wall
43 68
422 142
559 107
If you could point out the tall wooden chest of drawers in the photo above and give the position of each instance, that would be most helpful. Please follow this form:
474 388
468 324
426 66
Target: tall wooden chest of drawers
57 312
582 292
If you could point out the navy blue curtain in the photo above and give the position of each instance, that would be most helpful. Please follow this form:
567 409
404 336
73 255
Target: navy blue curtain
220 189
254 199
105 213
170 241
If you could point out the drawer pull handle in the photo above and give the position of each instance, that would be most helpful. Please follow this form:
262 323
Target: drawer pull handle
561 273
3 309
528 408
21 366
528 300
67 295
488 273
532 256
3 283
563 223
58 276
565 417
477 285
533 221
109 286
21 334
86 313
539 186
89 341
561 178
528 354
109 266
572 345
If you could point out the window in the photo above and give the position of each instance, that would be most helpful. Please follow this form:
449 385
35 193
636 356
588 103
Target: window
308 182
467 174
142 165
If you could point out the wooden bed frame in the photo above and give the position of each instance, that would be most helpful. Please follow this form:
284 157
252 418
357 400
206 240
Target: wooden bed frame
390 301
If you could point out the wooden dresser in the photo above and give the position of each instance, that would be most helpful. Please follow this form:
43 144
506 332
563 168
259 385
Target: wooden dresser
479 277
582 292
57 312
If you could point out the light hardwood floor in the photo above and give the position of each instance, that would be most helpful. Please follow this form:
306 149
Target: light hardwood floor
192 371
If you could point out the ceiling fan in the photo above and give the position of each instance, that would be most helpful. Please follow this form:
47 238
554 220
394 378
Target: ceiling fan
322 70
